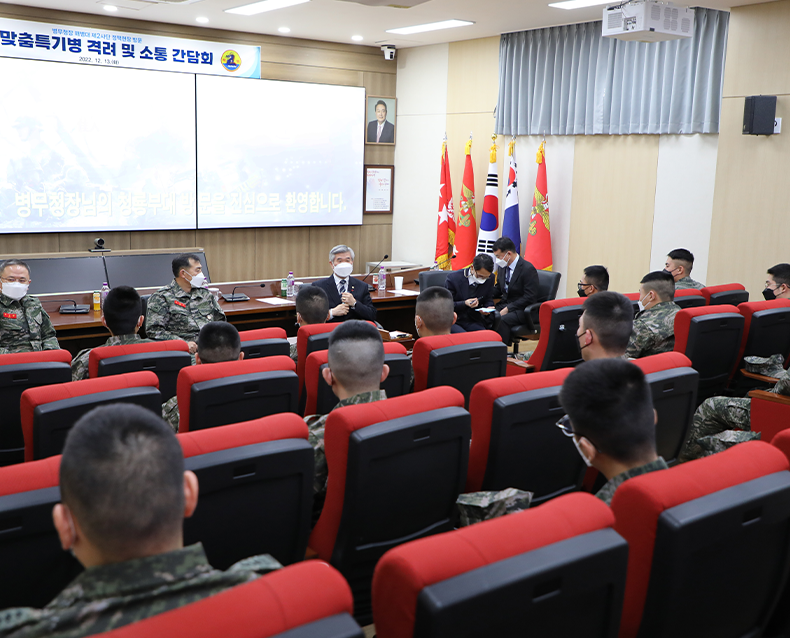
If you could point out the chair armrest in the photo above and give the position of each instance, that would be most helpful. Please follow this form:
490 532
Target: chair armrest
769 396
528 367
758 377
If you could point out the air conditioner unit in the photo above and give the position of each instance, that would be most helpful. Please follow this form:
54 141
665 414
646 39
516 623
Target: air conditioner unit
648 21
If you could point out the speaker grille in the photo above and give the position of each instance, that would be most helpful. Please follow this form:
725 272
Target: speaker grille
655 13
685 25
614 20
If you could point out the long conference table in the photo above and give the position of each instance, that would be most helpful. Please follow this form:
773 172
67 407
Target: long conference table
395 311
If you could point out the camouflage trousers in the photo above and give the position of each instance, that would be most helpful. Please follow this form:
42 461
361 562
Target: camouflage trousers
714 416
483 506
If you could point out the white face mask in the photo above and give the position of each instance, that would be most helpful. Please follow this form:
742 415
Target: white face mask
15 290
642 304
579 450
501 263
198 280
343 269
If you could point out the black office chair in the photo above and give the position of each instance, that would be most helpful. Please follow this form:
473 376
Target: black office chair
141 332
675 400
429 278
548 284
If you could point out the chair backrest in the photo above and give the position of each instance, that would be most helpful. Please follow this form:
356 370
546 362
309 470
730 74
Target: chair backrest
259 348
49 412
321 399
262 333
557 570
396 469
714 525
514 441
689 298
18 372
302 337
766 329
233 391
424 347
144 310
246 471
164 358
732 294
782 442
429 278
307 600
35 567
548 285
711 338
558 346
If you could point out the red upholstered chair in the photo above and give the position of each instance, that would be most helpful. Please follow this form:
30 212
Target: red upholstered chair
698 532
557 570
558 346
18 372
458 360
766 331
396 469
514 441
673 385
689 298
311 338
711 337
35 567
233 391
246 471
321 399
164 358
264 342
770 414
49 412
308 600
782 441
732 294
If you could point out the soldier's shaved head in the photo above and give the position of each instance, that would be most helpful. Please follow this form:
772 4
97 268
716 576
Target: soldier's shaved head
356 356
122 477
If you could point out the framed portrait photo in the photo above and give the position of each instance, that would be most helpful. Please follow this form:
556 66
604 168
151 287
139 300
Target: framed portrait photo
380 120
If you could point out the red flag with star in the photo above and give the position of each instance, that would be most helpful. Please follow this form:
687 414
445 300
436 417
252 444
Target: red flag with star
445 223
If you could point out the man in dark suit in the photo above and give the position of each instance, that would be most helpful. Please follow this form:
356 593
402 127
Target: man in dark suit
472 288
348 297
516 286
380 131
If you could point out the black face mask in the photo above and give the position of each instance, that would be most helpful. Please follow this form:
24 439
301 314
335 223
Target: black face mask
669 272
581 292
769 294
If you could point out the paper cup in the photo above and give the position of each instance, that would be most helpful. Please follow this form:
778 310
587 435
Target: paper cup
398 283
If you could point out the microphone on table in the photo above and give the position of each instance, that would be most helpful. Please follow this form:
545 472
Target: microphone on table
234 297
75 309
371 287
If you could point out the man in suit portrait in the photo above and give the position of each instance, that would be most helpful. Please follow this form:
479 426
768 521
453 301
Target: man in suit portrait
472 288
348 297
516 286
380 131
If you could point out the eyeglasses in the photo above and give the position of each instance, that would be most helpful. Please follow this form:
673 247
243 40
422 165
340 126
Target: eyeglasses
14 280
564 424
580 285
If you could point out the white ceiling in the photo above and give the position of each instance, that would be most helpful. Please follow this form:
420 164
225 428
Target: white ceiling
338 20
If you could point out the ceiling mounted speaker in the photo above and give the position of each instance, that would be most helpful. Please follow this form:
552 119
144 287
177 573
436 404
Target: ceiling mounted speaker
397 4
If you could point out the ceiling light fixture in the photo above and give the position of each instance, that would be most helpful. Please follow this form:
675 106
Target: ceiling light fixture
111 8
260 7
578 4
433 26
202 20
284 30
357 38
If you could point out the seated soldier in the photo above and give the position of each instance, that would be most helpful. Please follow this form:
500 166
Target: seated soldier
654 325
472 288
312 306
355 372
433 312
217 342
719 414
122 315
611 419
595 279
24 324
124 497
679 264
605 326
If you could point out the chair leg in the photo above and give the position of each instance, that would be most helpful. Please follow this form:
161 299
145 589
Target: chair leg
515 345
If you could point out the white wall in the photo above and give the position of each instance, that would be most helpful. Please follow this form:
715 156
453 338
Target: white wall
684 199
421 122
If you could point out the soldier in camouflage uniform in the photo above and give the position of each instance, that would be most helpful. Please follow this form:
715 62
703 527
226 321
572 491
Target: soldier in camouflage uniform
611 420
679 264
356 370
605 326
182 308
107 525
24 325
654 325
312 307
218 342
122 315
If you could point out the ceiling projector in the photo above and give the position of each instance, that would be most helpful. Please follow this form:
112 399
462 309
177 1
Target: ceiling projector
647 21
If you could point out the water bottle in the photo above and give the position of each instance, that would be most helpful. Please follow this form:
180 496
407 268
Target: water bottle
382 279
283 286
290 285
104 290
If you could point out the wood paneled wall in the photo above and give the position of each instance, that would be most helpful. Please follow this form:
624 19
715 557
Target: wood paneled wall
262 253
750 222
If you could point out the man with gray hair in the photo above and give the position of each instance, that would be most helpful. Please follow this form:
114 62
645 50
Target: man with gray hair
348 297
24 324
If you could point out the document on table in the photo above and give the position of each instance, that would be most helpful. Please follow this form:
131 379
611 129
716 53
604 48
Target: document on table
276 301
